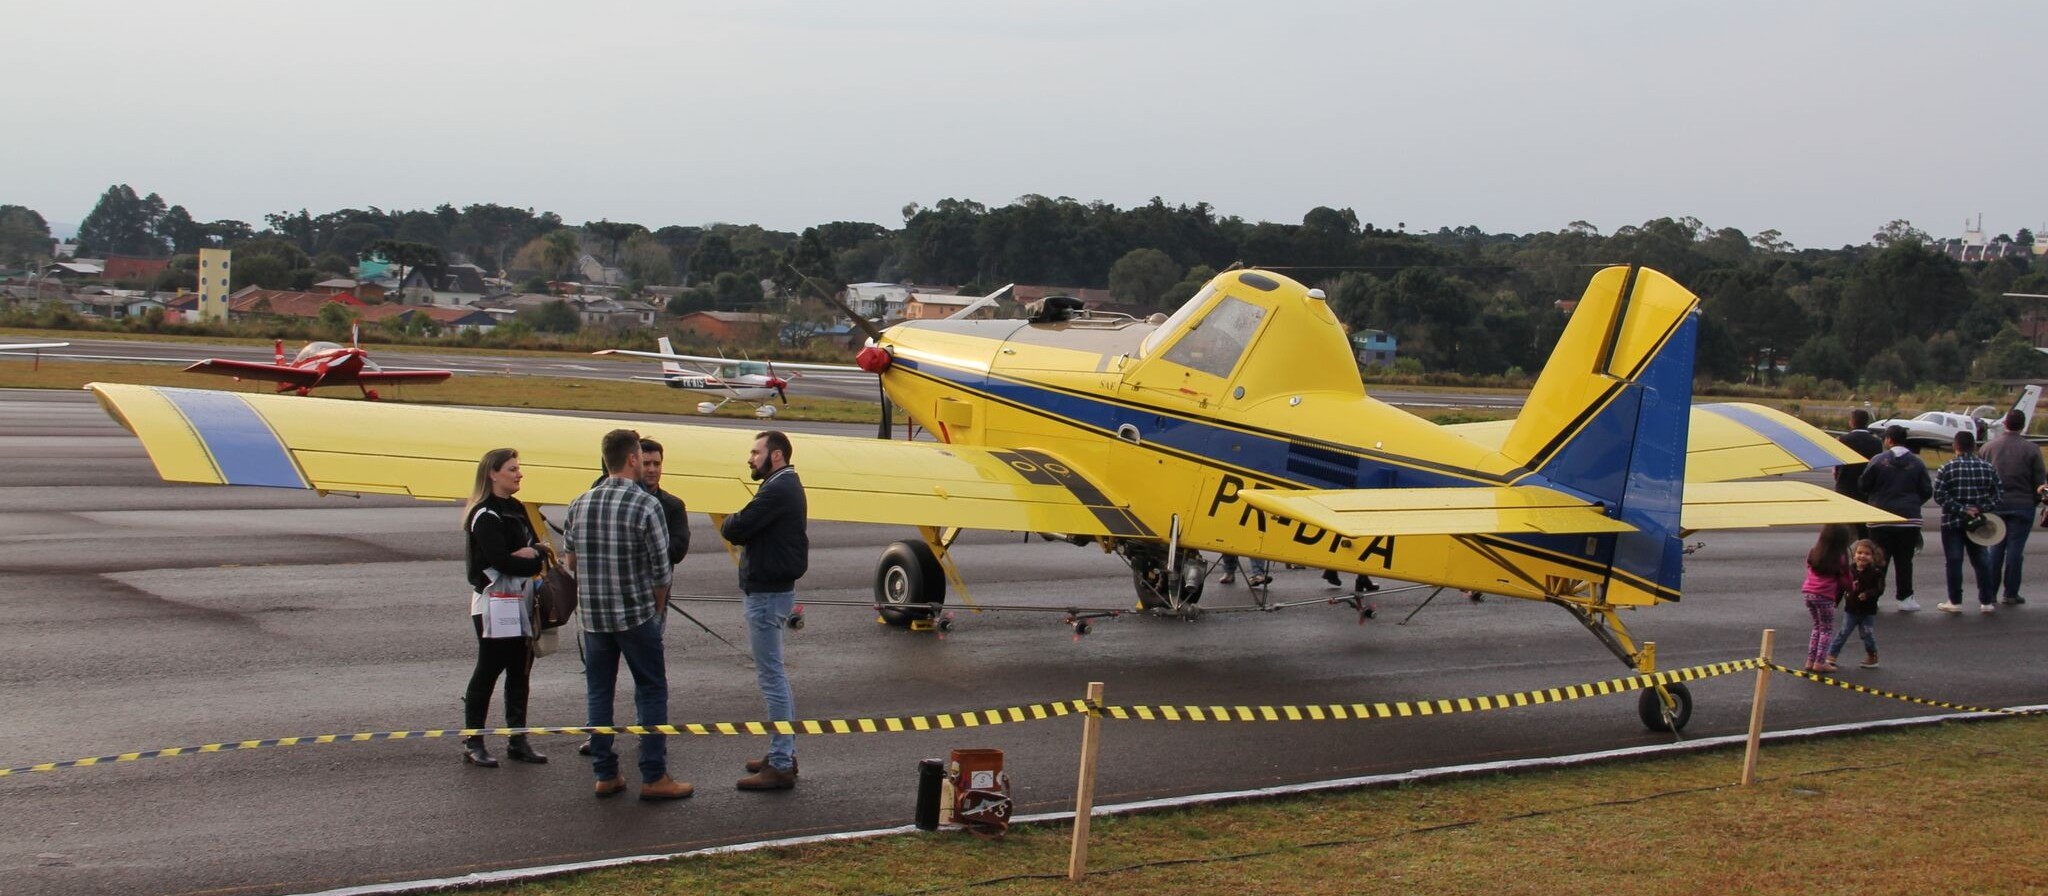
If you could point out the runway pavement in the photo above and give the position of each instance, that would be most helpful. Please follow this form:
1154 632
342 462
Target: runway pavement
851 385
143 615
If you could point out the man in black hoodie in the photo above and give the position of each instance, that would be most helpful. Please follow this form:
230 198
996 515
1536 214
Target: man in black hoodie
1895 481
775 552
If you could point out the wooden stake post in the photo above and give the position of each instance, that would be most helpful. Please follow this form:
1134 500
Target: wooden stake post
1084 792
1756 708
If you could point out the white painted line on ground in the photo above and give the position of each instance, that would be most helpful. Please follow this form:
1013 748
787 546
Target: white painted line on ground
511 875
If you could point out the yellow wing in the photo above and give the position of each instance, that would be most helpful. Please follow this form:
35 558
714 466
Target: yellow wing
1436 511
1751 505
228 438
1727 441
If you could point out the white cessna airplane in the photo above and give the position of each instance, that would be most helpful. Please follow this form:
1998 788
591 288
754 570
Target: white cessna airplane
1937 429
725 378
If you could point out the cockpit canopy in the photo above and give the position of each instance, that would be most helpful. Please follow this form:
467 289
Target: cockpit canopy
314 348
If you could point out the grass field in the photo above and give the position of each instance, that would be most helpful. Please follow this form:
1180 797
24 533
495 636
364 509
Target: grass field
1954 808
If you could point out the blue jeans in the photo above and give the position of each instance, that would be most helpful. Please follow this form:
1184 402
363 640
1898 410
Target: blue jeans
1855 622
2006 557
641 648
767 613
1955 545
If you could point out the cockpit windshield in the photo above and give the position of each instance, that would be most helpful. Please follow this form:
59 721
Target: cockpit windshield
314 348
1174 323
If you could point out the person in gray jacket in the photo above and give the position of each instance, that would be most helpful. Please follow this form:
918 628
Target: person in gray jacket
775 552
1896 481
2021 474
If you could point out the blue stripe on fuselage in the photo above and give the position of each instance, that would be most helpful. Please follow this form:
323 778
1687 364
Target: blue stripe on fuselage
243 446
1266 455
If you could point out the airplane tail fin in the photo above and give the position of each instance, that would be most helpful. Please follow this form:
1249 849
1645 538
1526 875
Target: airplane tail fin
669 368
1608 420
2029 400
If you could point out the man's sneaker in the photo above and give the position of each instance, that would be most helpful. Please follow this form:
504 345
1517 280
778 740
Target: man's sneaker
1987 608
1228 579
1909 605
1869 662
1948 606
2013 600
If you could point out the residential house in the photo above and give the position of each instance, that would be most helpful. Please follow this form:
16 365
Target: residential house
114 304
448 319
77 269
369 291
883 300
729 326
595 271
934 306
1374 348
443 284
250 303
131 268
618 314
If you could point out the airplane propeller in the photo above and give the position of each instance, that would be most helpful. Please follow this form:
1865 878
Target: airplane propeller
885 428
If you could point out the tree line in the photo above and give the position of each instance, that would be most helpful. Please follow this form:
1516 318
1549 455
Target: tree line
1897 310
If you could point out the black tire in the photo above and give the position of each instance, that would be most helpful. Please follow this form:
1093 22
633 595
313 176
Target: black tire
908 574
1652 709
1148 569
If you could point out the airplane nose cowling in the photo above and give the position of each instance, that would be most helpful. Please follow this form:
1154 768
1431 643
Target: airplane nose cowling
873 359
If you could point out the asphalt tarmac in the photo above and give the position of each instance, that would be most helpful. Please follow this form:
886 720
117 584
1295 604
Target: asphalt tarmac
141 615
852 385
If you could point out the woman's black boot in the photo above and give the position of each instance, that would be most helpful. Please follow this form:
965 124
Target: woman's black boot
473 753
522 751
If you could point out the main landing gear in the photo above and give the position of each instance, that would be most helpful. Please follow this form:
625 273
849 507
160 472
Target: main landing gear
910 582
1663 707
1159 588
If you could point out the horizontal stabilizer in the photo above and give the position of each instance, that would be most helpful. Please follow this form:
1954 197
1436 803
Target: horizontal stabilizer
1359 513
1725 440
1751 505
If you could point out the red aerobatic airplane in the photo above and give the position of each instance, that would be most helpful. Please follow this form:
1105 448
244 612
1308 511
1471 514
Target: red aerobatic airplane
320 364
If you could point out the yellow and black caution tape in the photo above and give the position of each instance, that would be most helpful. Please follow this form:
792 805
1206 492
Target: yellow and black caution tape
1402 709
939 722
1874 692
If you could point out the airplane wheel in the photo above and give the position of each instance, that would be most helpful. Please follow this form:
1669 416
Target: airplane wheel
909 574
1148 575
1652 709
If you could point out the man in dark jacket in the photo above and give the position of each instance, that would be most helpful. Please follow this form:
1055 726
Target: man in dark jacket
775 552
672 507
1896 482
1848 477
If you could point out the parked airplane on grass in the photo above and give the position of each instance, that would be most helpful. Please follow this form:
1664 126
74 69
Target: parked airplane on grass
320 364
725 378
1237 425
1937 429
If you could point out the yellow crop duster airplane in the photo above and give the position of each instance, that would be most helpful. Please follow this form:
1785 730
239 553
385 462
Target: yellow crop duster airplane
1237 425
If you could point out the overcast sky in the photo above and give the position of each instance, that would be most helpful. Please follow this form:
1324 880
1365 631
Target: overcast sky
1822 120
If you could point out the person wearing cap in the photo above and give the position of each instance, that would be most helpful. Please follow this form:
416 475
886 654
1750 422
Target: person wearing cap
2021 474
1968 491
1896 482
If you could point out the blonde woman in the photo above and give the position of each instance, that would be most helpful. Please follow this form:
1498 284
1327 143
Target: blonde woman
500 538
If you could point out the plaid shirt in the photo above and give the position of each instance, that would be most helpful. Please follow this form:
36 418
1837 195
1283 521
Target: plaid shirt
620 539
1967 481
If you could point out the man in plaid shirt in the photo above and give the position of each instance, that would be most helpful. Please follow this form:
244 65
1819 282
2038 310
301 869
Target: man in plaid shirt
617 542
1966 488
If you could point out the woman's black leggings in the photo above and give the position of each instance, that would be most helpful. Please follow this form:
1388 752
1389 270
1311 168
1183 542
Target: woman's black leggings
511 656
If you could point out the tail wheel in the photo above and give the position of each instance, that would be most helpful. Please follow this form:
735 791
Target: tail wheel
909 574
1651 708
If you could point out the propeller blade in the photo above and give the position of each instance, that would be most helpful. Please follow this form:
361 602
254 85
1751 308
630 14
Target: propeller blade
783 394
887 428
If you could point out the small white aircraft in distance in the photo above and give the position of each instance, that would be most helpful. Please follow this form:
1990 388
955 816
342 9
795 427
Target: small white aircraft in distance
1937 429
729 380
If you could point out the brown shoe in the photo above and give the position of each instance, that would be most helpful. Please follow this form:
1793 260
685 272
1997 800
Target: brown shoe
666 788
610 787
769 778
755 765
